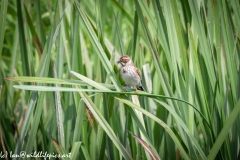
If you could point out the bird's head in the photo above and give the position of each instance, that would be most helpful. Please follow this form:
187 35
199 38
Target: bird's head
125 60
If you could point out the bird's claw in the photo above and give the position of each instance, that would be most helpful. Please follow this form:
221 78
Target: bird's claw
125 88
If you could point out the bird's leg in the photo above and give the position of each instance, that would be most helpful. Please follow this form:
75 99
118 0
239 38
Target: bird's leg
136 91
125 87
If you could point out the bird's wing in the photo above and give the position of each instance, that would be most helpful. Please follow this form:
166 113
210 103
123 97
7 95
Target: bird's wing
138 72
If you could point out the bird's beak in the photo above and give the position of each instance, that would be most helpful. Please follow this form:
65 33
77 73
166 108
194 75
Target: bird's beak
118 62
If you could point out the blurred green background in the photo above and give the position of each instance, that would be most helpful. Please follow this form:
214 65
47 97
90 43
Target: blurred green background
188 53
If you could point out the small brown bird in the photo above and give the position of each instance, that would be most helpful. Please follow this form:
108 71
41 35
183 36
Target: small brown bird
130 72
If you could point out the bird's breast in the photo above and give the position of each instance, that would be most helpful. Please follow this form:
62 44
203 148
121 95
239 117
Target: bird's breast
130 76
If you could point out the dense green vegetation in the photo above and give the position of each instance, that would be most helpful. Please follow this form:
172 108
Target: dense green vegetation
61 93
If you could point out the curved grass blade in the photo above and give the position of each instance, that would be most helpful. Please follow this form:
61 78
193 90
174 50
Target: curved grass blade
145 146
164 125
140 93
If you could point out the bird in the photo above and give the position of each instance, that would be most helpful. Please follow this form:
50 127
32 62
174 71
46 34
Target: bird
130 73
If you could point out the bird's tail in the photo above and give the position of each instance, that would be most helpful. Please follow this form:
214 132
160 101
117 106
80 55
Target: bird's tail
141 88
